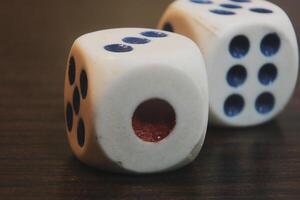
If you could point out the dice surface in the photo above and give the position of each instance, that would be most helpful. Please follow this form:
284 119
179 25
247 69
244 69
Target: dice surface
251 55
136 100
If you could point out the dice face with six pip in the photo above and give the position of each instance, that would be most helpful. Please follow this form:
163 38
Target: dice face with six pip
136 100
251 55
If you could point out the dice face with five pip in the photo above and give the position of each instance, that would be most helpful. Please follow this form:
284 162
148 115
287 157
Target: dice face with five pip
251 55
136 100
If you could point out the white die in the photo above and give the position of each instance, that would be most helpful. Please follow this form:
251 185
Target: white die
136 100
251 55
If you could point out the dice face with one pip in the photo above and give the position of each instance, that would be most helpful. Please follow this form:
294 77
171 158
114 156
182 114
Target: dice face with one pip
136 100
251 55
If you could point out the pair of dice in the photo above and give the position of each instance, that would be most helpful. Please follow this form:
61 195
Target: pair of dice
137 100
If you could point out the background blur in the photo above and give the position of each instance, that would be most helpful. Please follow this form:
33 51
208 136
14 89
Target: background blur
35 160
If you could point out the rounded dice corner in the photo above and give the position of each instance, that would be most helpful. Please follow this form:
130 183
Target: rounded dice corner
243 58
100 128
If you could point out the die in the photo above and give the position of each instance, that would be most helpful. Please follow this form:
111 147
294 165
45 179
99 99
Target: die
136 100
251 55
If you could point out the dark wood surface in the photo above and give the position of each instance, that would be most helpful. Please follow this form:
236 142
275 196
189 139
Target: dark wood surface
35 159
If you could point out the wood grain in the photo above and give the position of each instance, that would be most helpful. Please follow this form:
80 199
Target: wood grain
35 159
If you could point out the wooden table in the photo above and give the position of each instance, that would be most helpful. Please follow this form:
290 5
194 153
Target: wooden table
35 159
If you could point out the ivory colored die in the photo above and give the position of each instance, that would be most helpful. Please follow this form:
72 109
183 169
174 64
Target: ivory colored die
136 100
251 56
